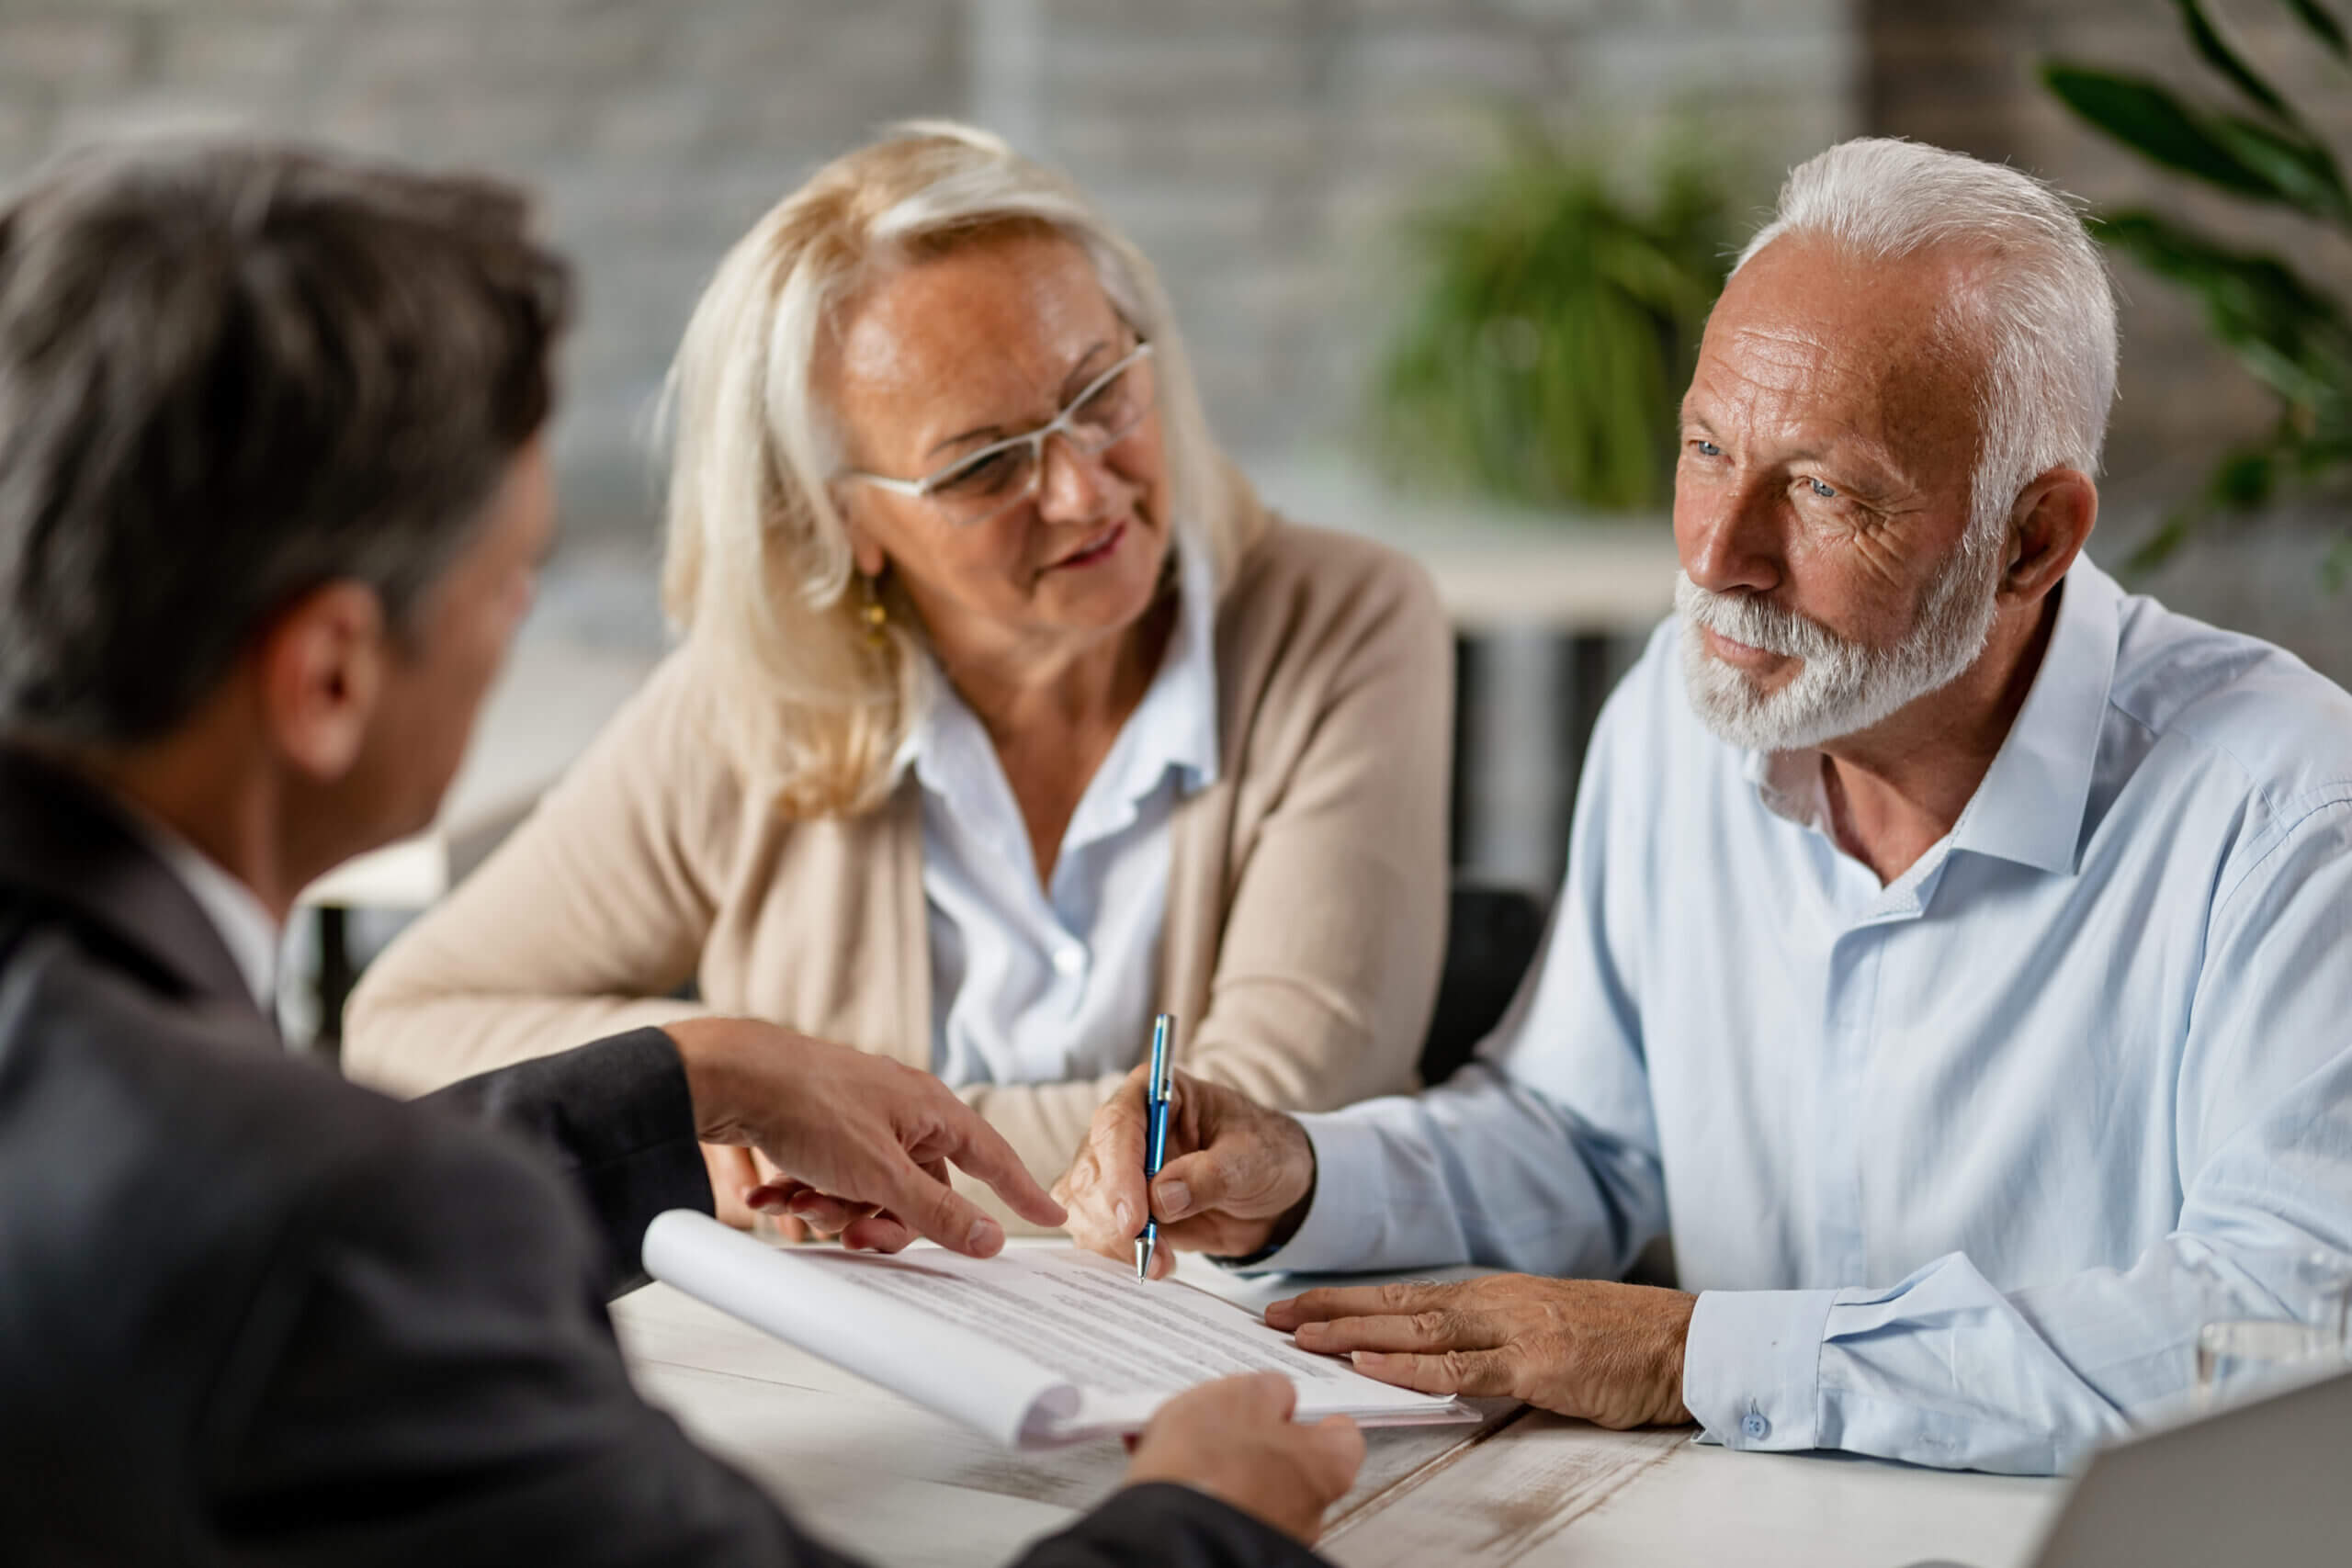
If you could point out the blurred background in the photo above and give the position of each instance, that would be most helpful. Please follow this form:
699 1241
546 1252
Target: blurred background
1440 262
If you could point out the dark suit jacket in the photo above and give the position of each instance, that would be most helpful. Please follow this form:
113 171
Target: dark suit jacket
250 1313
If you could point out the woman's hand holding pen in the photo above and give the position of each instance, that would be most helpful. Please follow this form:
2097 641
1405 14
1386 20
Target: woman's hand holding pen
1236 1176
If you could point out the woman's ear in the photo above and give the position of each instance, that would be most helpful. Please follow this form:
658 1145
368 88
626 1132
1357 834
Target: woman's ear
864 548
322 665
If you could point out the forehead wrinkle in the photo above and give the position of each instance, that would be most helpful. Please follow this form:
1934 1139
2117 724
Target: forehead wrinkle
1851 371
975 339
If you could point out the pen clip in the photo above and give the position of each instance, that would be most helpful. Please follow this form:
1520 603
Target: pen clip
1163 1026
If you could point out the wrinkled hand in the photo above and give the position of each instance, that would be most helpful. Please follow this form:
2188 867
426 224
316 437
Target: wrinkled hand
1234 1439
861 1144
1236 1174
1606 1353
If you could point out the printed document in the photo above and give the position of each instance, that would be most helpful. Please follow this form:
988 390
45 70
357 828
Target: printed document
1035 1347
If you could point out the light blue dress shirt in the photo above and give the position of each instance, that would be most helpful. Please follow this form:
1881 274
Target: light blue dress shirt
1030 984
1959 1163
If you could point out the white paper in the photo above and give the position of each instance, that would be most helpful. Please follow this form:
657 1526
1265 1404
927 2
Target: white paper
1033 1346
894 1343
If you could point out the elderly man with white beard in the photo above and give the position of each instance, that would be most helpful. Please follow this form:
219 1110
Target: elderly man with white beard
1952 956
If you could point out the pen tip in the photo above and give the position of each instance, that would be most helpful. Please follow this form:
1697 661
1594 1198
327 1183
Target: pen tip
1143 1258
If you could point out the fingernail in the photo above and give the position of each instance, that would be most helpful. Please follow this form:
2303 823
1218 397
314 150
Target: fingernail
1280 1313
1308 1333
1126 1218
1175 1199
984 1235
1361 1358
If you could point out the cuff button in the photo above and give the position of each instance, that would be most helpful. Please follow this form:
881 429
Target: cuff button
1754 1427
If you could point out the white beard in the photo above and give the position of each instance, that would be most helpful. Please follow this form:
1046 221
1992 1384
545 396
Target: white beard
1842 687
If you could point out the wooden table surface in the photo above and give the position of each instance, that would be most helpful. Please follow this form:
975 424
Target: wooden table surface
903 1486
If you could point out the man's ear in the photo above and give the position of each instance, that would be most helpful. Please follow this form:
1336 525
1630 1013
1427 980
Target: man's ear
322 669
2047 528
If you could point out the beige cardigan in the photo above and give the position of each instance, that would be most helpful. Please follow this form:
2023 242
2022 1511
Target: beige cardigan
1306 898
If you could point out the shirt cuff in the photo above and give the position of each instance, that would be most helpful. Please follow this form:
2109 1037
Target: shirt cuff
1350 1184
1751 1367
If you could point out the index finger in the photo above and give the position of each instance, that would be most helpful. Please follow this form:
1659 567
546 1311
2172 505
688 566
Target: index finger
1402 1297
980 1149
928 1206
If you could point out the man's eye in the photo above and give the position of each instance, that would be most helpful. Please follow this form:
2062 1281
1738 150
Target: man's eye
1824 491
1707 449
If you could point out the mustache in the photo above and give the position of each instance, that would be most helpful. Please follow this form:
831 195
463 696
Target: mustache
1745 618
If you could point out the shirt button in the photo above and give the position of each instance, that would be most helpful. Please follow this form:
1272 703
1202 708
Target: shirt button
1069 960
1754 1427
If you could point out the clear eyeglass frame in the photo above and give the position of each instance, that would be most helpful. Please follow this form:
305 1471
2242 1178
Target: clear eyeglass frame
1070 424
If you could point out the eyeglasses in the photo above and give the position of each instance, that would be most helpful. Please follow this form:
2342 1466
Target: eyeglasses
1001 476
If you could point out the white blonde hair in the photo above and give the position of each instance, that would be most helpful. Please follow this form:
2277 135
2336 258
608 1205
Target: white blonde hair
759 568
2043 310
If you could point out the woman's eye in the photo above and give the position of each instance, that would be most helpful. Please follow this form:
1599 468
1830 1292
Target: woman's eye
984 476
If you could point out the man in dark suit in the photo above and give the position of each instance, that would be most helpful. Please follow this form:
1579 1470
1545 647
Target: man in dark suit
272 494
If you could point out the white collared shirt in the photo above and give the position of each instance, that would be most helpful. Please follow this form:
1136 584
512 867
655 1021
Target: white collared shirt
237 914
1033 984
1959 1163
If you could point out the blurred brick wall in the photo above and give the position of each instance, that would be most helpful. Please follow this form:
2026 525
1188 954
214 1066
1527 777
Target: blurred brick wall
1258 149
655 130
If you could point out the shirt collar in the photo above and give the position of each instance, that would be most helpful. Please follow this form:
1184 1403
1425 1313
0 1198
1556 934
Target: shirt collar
1173 728
238 917
2028 808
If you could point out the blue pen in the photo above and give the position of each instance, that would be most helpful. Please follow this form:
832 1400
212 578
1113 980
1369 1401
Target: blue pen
1155 1148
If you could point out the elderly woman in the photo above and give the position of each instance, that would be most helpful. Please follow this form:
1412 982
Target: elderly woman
1004 717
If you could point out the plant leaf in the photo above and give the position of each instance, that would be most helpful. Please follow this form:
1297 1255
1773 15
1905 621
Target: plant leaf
2218 54
2146 117
2321 25
2293 338
2302 170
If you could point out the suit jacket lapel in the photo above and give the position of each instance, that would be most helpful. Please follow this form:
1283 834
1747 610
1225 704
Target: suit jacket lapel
64 844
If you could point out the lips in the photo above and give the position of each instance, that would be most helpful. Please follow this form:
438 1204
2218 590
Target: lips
1745 655
1096 549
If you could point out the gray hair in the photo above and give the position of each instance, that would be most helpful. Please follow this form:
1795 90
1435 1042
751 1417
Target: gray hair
2044 313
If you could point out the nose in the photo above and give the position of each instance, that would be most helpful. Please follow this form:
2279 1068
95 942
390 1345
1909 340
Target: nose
1728 538
1071 486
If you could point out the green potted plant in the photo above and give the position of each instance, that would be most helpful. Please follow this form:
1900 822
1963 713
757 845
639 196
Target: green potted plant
1544 357
2290 334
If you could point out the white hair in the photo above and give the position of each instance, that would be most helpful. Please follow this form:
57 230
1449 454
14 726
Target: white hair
759 566
2042 307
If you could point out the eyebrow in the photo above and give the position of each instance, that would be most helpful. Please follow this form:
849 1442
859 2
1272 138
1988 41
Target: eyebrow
1874 466
1071 382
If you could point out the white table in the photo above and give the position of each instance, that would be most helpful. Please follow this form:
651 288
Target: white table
903 1487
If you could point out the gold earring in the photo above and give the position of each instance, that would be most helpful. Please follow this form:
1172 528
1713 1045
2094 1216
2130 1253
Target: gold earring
876 618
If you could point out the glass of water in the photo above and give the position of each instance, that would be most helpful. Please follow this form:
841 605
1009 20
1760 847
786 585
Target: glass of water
2240 1359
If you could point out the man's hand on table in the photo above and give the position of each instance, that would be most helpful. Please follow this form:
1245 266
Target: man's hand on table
1234 1439
1606 1353
861 1144
1236 1174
